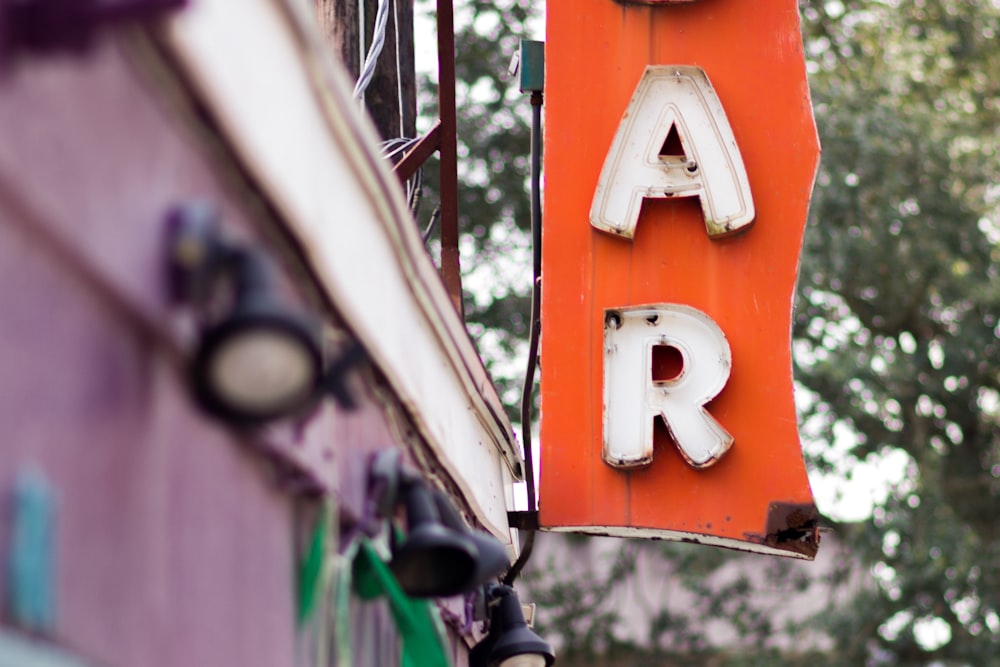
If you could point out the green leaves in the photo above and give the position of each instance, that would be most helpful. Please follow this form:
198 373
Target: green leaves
897 260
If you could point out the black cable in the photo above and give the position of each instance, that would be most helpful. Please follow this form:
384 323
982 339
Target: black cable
435 216
527 394
528 389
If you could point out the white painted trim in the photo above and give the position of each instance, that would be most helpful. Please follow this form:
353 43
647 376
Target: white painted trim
678 536
285 108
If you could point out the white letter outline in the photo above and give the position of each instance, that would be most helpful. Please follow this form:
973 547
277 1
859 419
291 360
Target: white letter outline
667 98
632 399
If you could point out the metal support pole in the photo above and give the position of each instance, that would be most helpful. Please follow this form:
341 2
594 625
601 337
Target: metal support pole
450 265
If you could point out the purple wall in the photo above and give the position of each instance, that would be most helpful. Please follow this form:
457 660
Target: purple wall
175 543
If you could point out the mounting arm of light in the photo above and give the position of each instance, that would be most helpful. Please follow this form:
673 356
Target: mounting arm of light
441 556
257 359
510 643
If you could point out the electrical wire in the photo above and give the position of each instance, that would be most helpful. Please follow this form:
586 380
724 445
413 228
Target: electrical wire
374 51
399 70
536 289
528 388
393 150
361 33
389 146
415 191
435 216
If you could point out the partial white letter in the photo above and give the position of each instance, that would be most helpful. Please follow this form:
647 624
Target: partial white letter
632 398
674 141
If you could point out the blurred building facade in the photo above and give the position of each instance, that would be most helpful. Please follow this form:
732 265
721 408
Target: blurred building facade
142 529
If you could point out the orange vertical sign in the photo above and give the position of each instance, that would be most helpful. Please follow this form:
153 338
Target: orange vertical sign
680 152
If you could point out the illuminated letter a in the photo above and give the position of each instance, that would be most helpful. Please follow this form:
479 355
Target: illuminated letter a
674 141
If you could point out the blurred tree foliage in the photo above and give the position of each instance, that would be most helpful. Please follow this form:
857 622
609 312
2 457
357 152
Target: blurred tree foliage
895 340
494 137
896 326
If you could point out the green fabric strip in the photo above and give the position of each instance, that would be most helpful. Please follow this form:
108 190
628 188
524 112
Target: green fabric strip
418 624
312 567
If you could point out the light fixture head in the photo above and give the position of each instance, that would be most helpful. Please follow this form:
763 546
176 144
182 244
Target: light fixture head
257 358
260 361
511 643
491 559
256 366
434 560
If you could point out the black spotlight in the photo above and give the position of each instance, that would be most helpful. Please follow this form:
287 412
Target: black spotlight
261 361
257 359
491 559
434 560
511 643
